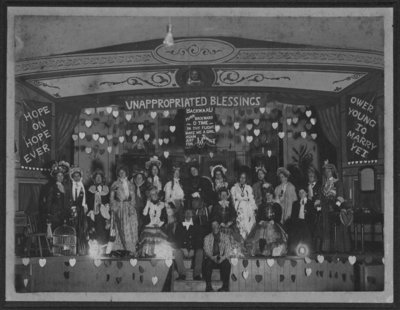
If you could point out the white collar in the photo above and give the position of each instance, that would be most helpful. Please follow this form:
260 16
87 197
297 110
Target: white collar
187 224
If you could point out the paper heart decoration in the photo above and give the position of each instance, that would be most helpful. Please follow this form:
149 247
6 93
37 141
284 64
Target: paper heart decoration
146 136
26 282
115 113
217 128
256 121
160 141
88 123
97 262
268 110
168 262
307 260
72 262
289 134
109 110
82 135
308 271
166 140
242 138
42 262
25 261
269 153
102 140
256 132
95 136
352 260
172 128
109 137
140 127
308 113
109 149
88 111
88 150
281 134
320 259
314 135
258 278
121 139
236 125
262 110
249 126
166 113
289 121
234 261
154 280
303 134
153 115
128 132
211 154
133 262
74 137
128 116
275 125
249 139
295 120
223 121
245 274
134 139
308 126
270 262
313 120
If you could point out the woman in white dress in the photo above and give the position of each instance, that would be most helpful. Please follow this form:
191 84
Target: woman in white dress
285 193
245 206
153 166
174 192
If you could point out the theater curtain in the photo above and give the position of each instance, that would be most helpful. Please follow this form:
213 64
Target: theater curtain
329 120
65 124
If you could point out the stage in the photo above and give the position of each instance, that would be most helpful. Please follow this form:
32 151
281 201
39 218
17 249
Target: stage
291 273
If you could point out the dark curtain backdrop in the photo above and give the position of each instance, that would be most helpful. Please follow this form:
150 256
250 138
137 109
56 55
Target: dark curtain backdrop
329 121
65 124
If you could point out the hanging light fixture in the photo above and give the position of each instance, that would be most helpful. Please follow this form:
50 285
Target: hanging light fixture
169 39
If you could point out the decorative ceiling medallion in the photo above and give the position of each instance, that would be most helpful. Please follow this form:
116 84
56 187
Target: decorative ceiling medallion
195 51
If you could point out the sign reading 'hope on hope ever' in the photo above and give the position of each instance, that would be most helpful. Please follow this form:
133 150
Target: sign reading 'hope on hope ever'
362 129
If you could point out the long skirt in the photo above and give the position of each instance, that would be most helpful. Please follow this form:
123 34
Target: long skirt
82 232
153 243
246 219
236 242
267 239
126 228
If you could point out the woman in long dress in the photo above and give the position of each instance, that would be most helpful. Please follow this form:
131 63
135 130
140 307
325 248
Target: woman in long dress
153 167
174 193
245 206
260 186
122 201
285 193
141 187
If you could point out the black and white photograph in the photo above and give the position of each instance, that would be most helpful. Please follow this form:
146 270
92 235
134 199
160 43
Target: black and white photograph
199 154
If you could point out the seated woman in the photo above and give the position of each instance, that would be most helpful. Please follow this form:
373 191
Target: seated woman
268 238
153 238
224 212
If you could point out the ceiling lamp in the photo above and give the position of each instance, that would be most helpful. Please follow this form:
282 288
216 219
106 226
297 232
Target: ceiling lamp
169 39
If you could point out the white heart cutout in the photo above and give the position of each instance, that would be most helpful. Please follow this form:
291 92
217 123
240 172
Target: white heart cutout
168 262
313 120
146 136
257 132
256 121
249 126
25 261
281 134
245 274
89 111
289 121
128 116
223 121
109 137
308 272
109 110
320 259
269 153
97 262
160 141
270 262
134 139
133 262
314 135
74 137
153 115
26 282
88 123
166 154
295 120
172 128
217 128
115 113
121 139
275 125
268 110
166 140
308 113
166 113
236 125
249 139
95 136
211 154
242 138
154 280
352 260
109 149
234 261
88 150
140 127
42 262
102 140
262 110
128 132
303 134
307 260
72 262
82 135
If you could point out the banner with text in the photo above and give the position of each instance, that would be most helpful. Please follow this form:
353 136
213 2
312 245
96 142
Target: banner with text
35 134
362 129
199 127
190 100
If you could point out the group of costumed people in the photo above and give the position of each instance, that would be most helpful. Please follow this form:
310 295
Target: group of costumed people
140 215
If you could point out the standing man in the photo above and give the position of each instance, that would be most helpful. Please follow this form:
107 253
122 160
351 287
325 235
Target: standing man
216 249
